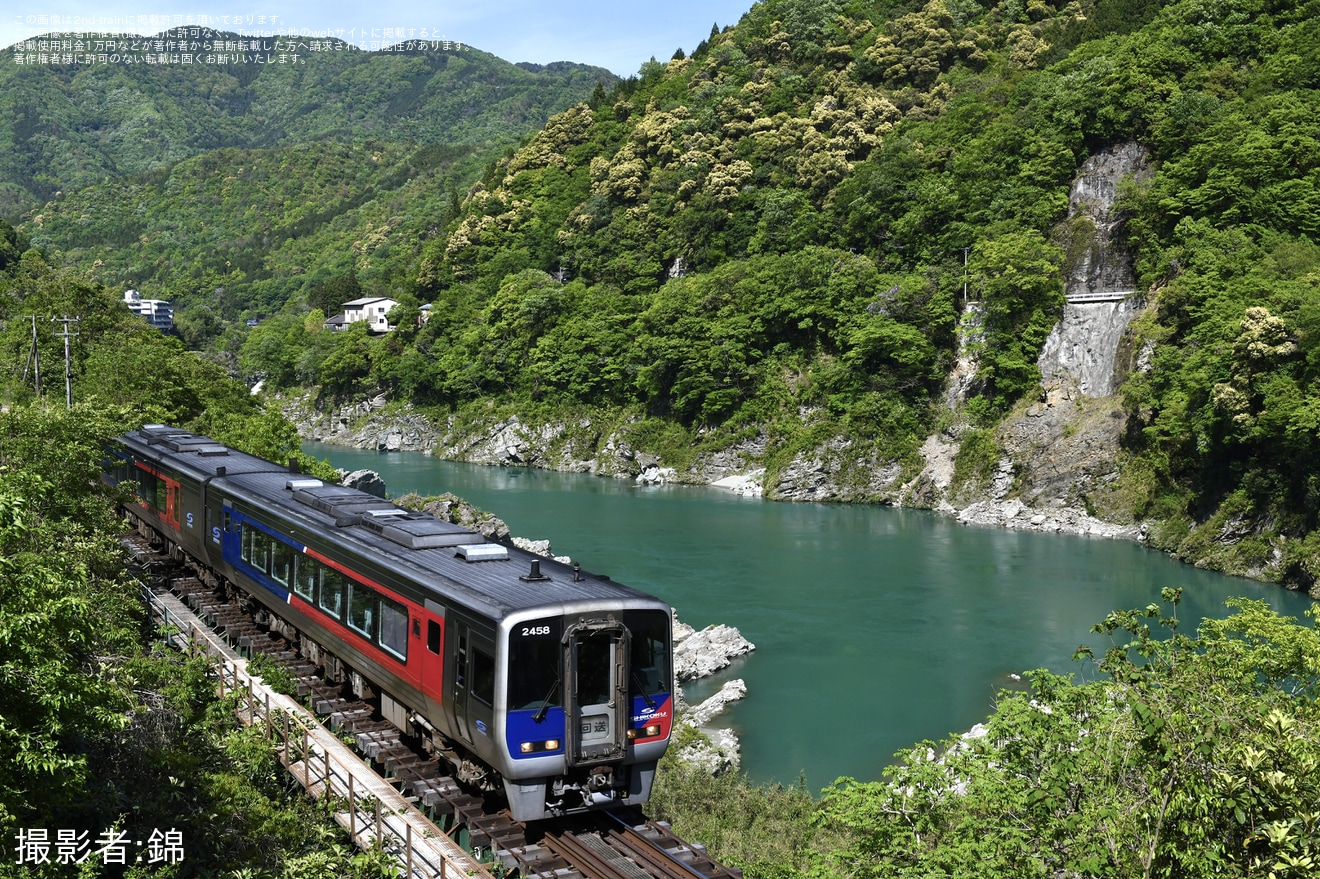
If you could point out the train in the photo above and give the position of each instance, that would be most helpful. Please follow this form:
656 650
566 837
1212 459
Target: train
533 678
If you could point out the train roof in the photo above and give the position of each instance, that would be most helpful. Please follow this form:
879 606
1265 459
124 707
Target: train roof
440 558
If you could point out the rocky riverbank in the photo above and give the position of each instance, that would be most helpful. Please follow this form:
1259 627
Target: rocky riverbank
1033 488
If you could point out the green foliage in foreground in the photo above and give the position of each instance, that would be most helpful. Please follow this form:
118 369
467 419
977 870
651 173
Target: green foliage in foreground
1192 756
99 729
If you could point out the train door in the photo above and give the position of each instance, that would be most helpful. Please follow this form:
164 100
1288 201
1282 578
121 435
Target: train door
596 656
432 657
172 503
460 683
472 692
215 525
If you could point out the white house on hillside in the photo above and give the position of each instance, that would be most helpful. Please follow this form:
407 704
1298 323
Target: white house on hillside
158 312
374 309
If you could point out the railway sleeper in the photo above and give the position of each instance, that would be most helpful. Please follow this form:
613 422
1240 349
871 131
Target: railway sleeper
371 742
496 832
535 861
341 720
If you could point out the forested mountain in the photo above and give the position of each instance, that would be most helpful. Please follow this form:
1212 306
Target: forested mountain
766 243
181 178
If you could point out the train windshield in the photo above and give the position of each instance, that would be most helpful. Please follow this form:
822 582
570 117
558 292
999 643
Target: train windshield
536 660
651 655
535 665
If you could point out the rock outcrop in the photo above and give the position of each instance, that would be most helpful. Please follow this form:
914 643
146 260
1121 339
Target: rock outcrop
1061 450
701 654
702 714
696 655
364 480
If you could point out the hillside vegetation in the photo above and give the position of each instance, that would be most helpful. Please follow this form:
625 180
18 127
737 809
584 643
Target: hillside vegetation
766 238
771 237
187 179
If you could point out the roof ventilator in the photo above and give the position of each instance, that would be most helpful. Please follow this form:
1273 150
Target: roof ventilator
481 552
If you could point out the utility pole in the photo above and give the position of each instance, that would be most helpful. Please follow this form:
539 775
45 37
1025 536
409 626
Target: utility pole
68 364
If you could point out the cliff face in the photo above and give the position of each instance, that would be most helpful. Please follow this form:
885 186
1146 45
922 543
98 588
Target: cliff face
1060 451
1101 283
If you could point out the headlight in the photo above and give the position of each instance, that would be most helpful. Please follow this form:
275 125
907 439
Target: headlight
645 732
537 747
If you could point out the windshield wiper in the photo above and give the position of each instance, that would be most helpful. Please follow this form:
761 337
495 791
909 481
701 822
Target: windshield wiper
545 703
650 703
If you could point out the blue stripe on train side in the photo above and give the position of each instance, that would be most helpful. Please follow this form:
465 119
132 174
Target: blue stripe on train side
231 546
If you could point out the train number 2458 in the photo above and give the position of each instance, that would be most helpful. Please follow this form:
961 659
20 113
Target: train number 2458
528 631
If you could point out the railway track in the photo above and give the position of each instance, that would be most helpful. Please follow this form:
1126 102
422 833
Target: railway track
611 845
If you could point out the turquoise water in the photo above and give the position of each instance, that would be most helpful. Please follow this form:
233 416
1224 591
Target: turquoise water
874 628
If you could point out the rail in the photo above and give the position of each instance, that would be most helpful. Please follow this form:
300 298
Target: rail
374 813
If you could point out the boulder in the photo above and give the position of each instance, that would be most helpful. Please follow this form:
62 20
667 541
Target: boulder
706 652
701 715
364 480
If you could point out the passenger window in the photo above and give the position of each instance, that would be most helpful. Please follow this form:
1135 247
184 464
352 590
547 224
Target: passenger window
361 608
281 562
394 627
306 575
261 550
433 636
332 592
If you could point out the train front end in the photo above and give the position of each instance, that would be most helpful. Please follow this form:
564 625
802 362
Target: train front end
589 707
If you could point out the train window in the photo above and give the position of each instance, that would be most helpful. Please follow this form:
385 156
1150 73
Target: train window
281 562
260 549
162 490
147 487
245 545
650 651
483 676
394 627
595 655
534 674
306 574
535 664
433 636
460 667
332 592
361 608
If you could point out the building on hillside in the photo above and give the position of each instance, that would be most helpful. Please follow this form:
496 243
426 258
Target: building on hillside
335 323
158 312
373 309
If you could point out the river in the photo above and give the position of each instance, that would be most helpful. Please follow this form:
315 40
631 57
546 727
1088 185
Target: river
875 628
